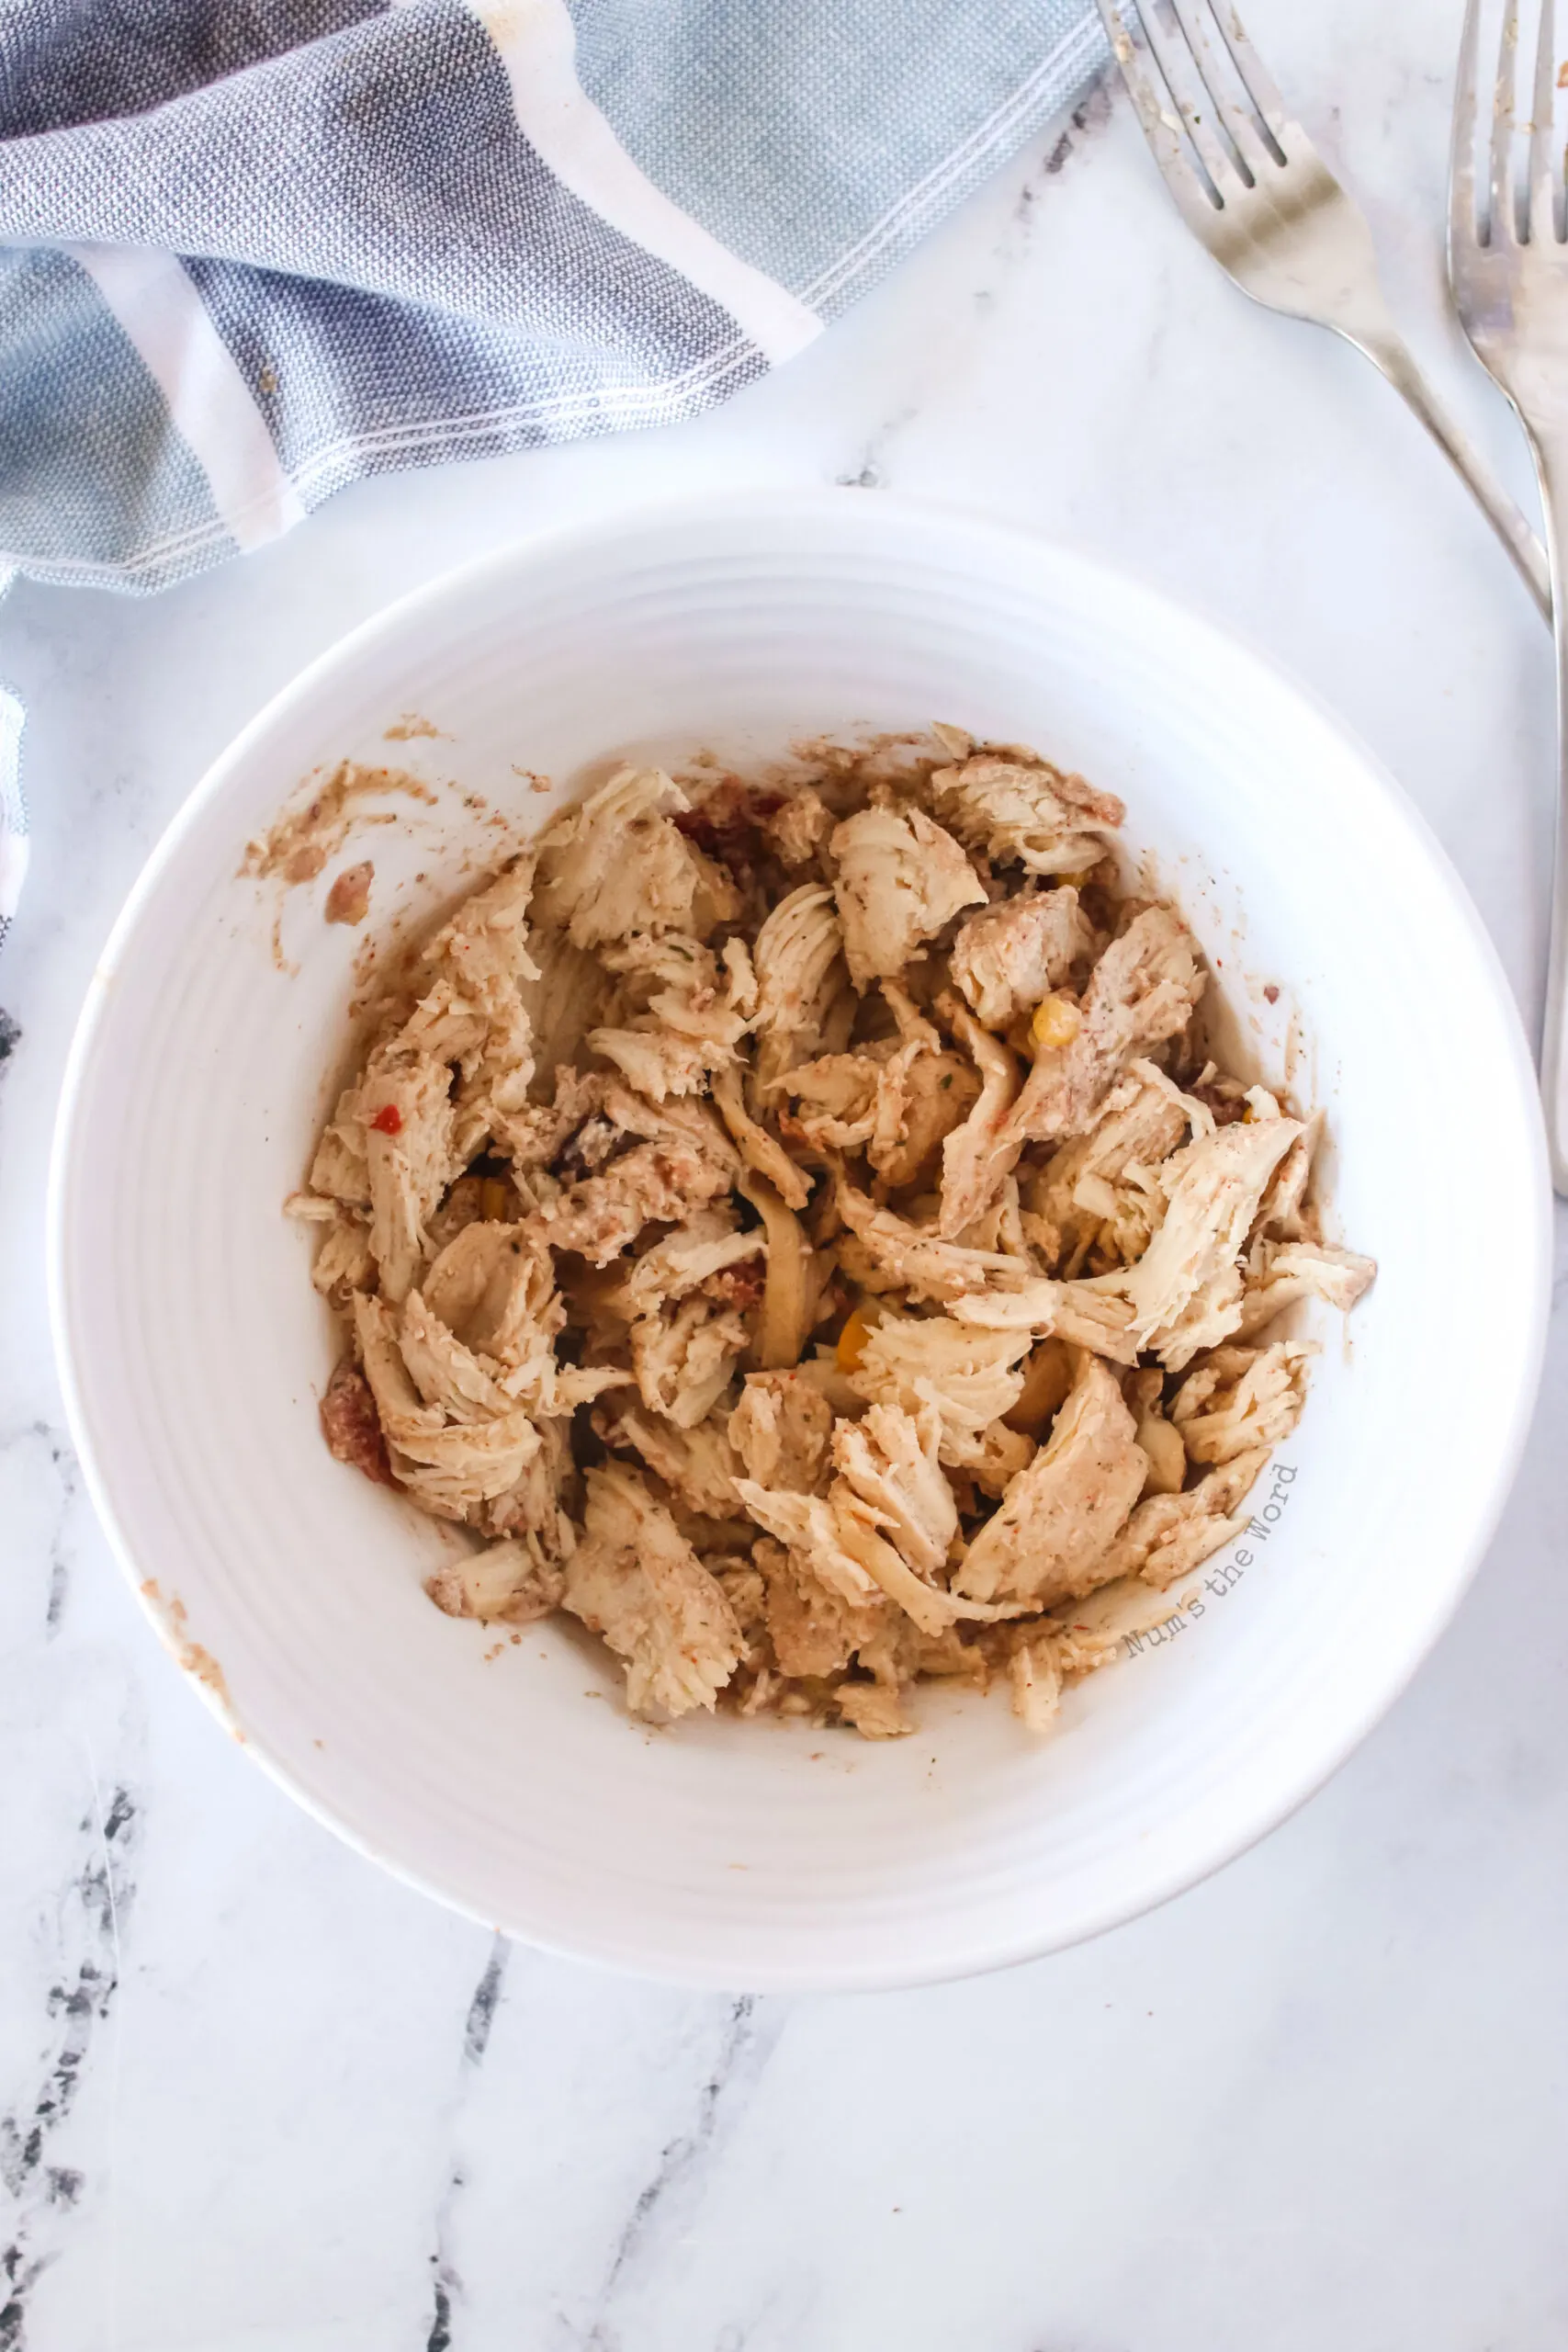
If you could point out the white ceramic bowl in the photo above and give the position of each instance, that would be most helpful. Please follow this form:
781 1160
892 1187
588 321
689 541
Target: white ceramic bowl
513 1786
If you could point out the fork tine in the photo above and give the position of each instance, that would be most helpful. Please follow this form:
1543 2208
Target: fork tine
1463 235
1167 37
1157 112
1502 225
1255 77
1256 148
1543 181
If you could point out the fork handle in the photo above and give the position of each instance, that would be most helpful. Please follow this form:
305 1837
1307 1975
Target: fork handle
1385 345
1551 447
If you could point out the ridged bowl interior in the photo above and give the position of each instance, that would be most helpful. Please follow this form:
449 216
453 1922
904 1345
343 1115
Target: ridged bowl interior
504 1777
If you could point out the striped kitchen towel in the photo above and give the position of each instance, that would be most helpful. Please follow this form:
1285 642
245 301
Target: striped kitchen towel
251 250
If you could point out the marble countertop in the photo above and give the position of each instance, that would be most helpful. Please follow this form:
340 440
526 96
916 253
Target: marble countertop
256 2097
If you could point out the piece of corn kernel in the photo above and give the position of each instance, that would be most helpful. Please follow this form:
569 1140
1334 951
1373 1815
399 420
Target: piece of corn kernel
492 1197
851 1341
1055 1023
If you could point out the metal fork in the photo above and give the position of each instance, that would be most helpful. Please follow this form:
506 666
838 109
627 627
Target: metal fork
1253 188
1511 293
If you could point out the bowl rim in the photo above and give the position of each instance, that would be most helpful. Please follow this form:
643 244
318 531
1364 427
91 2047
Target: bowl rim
982 531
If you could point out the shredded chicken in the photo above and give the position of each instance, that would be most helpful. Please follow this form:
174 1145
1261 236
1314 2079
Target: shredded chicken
782 1428
1240 1399
636 1580
1028 812
1015 953
619 864
1060 1516
800 1235
1169 1535
901 879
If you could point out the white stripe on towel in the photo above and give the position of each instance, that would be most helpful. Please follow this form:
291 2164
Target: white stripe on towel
210 400
538 43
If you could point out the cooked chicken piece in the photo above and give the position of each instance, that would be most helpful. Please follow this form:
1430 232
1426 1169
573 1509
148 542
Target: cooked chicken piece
440 1026
1281 1211
836 1096
838 1545
707 1244
1170 1535
636 1581
539 1503
1032 815
538 1134
1009 955
914 1259
799 957
1036 1679
876 1709
405 1115
492 1289
741 1581
1000 1228
694 1126
814 1630
1092 1314
946 1657
1143 990
511 1583
339 1169
563 1005
683 1357
761 1151
694 1021
1107 1184
1000 1453
932 1364
699 1465
895 1098
444 1372
806 1525
795 831
840 1540
1240 1399
450 1468
482 956
618 864
970 1178
1058 1520
901 879
1295 1269
1091 1631
781 1429
936 1093
1186 1289
890 1460
344 1262
654 1184
933 1607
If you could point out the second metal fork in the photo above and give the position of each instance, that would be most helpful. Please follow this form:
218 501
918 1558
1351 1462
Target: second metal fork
1511 293
1256 192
